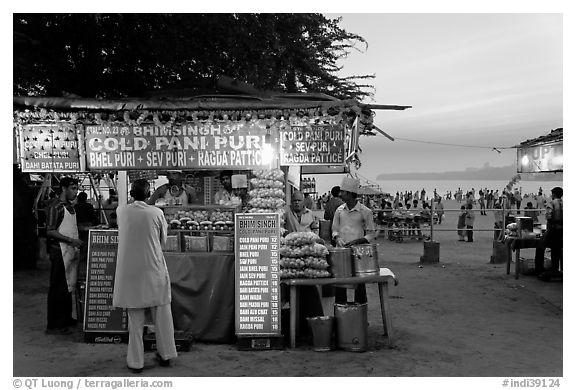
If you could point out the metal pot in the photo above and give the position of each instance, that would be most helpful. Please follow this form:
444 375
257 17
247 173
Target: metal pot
365 260
340 261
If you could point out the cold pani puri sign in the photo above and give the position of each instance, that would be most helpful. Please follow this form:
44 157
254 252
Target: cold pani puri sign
312 145
191 145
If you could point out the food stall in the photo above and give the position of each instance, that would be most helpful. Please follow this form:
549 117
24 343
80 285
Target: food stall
541 155
262 139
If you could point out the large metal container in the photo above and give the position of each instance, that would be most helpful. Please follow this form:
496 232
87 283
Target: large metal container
352 326
340 261
365 260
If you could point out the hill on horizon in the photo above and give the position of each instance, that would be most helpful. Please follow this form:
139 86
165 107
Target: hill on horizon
486 172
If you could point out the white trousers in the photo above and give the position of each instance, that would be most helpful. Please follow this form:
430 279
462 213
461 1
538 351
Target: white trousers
164 331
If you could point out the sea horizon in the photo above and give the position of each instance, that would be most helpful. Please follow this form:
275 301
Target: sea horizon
324 184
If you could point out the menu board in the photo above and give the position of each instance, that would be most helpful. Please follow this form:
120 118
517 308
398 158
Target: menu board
312 145
99 314
257 274
50 148
148 175
189 145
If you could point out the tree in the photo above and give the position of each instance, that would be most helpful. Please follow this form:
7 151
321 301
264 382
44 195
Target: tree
129 55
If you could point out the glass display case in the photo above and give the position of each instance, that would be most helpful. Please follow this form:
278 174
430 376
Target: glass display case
200 228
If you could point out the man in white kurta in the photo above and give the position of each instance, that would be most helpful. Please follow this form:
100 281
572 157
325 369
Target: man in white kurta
142 281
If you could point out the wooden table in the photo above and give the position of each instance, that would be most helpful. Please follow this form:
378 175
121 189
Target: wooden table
382 280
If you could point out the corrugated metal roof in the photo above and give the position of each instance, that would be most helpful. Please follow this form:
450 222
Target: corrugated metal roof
555 135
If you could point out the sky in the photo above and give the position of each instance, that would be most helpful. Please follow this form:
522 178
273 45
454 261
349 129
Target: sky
475 80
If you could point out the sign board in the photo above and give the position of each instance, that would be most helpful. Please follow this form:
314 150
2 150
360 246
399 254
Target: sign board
257 274
190 145
99 314
540 158
312 145
50 148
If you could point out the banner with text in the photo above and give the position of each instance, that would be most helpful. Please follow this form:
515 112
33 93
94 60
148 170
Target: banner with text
99 314
191 145
540 158
312 145
50 148
257 274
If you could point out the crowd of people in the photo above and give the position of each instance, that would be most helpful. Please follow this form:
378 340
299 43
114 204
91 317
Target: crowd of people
142 279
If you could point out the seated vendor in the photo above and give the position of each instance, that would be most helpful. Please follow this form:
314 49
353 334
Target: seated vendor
224 195
175 192
301 219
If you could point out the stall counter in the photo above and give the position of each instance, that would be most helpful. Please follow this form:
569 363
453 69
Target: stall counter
203 294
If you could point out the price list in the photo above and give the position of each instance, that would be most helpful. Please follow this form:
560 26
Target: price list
99 314
257 274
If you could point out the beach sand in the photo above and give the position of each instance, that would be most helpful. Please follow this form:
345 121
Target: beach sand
460 317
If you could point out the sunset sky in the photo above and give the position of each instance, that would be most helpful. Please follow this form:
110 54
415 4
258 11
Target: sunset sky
473 80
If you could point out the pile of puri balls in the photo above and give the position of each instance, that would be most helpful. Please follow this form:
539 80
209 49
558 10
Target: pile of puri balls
267 192
302 256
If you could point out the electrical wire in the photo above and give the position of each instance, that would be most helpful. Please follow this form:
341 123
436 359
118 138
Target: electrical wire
495 148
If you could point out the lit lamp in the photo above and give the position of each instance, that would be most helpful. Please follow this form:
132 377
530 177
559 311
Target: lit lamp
267 150
525 160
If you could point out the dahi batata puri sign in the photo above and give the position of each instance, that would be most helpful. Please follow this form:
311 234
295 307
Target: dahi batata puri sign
50 148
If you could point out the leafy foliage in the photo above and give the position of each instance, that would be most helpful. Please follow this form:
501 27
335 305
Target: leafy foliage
127 55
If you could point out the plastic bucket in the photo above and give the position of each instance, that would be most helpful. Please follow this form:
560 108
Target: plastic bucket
340 261
365 260
352 326
322 329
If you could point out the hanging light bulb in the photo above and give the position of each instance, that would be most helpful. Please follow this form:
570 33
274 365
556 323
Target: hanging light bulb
267 150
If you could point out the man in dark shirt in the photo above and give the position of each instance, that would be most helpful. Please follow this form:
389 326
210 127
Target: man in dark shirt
62 233
334 202
85 215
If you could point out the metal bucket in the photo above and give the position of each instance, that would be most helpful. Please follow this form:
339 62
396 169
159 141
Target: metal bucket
365 260
322 329
340 261
352 326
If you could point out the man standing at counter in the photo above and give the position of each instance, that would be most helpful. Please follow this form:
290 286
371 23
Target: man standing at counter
62 232
142 281
174 193
353 224
553 237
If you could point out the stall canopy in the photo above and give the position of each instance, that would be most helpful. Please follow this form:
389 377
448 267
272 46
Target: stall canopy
211 131
541 154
